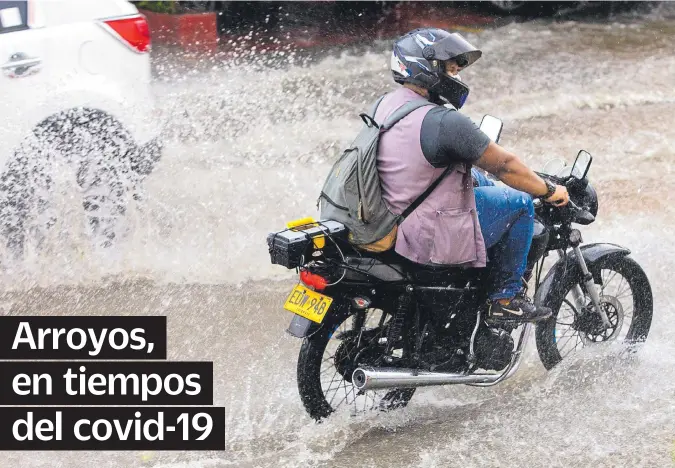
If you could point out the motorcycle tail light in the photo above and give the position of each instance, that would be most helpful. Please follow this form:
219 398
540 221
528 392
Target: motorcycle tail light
315 281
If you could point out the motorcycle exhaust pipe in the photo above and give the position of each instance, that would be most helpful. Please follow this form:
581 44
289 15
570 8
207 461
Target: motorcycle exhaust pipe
368 378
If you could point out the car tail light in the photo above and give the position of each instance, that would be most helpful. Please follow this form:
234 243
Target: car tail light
133 31
310 279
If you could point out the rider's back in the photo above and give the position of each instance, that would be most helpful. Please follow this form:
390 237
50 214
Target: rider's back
444 229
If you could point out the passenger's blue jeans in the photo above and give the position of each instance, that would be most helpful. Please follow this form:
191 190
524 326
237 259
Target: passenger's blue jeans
506 219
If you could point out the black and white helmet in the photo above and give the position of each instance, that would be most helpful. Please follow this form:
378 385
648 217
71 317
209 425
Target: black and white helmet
419 58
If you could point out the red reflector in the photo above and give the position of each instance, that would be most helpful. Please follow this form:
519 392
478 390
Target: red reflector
315 281
133 31
360 302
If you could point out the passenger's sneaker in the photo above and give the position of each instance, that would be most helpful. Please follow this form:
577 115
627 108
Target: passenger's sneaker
519 309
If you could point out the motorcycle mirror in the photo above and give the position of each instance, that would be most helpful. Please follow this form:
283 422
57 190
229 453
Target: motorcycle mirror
581 164
492 127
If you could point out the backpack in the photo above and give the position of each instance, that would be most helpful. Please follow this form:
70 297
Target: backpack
352 194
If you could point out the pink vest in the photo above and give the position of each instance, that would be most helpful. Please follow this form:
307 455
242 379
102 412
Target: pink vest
444 229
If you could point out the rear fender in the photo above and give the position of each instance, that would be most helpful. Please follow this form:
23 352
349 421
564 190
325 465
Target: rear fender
550 295
300 327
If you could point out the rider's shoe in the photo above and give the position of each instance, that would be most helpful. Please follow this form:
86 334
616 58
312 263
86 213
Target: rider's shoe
519 309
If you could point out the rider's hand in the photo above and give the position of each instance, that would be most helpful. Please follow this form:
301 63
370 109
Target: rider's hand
560 197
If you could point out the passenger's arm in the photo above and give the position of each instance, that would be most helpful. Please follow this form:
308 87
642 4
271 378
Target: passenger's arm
508 168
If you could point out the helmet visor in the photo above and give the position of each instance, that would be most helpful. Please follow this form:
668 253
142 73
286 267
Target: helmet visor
456 47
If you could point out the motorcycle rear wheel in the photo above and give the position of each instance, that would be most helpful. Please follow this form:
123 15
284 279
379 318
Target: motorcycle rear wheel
328 358
628 304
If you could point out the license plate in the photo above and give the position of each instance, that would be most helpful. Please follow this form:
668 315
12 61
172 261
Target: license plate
307 303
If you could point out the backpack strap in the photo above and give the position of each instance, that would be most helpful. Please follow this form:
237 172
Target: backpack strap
395 116
373 109
418 201
369 118
403 111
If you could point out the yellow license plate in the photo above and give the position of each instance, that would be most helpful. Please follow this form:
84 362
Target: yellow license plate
307 303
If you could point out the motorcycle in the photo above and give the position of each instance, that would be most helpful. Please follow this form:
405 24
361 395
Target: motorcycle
376 326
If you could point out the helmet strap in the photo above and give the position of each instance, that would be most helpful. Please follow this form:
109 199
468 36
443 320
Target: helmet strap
436 98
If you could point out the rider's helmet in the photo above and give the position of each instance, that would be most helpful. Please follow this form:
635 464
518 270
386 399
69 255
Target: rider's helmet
419 58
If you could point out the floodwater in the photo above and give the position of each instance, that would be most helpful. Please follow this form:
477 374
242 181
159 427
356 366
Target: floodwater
248 149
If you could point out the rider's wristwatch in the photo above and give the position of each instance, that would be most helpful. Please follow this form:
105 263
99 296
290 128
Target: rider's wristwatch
550 187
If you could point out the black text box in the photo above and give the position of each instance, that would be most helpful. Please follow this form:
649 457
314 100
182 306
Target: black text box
189 383
66 423
148 333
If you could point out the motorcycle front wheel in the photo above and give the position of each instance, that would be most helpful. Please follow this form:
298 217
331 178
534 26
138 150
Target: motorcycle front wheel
625 297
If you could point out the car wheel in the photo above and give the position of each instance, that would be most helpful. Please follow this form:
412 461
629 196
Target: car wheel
104 159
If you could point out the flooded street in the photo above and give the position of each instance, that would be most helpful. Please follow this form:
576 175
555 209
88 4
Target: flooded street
248 150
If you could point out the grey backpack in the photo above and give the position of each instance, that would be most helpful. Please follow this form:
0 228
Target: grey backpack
352 194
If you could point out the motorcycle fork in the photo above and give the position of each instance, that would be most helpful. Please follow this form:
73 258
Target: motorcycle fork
589 283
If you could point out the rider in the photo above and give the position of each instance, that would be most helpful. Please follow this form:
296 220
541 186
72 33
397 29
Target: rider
456 222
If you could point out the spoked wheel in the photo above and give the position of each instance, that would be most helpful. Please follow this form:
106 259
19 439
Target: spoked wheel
625 297
329 357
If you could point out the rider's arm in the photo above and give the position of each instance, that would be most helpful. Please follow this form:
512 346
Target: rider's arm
448 137
508 168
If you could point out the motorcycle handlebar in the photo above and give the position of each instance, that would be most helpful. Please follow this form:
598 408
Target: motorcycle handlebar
579 214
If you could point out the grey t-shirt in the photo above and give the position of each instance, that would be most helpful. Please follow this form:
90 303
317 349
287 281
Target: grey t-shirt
448 137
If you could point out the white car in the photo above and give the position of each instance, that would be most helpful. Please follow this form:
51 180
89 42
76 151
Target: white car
74 92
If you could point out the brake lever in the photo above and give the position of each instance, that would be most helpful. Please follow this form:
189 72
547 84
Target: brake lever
585 217
574 206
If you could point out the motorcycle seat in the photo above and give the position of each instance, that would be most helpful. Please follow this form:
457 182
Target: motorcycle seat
390 267
373 267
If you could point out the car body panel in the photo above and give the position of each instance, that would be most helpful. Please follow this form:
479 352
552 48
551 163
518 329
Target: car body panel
82 64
